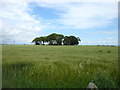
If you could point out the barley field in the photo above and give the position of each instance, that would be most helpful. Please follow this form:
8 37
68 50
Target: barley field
37 66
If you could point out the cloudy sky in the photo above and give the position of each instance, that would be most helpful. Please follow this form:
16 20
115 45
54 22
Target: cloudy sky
94 22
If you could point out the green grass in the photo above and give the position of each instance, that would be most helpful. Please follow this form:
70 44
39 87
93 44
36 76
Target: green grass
30 66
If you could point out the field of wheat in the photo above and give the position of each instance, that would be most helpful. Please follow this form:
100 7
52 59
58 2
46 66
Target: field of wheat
37 66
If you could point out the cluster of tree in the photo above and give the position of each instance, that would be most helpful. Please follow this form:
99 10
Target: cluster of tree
56 39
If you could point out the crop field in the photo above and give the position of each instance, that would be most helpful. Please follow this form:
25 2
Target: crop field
37 66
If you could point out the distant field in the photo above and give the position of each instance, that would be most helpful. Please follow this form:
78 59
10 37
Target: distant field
30 66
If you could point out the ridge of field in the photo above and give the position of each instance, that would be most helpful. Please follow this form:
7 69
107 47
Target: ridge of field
39 66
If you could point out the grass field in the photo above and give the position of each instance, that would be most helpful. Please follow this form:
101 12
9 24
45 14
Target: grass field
31 66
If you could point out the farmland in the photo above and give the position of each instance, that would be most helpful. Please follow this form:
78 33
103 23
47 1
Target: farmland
37 66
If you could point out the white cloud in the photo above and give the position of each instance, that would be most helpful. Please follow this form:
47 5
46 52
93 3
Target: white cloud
17 23
84 15
90 15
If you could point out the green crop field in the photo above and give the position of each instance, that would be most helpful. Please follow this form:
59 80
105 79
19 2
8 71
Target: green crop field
35 66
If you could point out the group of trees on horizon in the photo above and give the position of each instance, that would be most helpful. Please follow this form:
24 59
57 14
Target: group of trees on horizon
56 39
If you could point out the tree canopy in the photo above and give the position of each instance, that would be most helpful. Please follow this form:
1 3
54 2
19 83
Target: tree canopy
56 39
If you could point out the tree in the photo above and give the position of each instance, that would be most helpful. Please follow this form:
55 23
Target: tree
66 40
42 40
36 41
59 39
71 40
55 39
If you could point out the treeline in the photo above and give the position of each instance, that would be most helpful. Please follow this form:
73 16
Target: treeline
56 39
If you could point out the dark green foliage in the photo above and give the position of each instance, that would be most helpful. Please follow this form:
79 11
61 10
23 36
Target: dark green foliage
57 39
36 41
71 40
40 40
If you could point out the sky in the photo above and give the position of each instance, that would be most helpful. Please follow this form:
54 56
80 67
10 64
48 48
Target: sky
94 22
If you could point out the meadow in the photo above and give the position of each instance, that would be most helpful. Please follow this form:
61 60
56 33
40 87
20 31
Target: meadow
37 66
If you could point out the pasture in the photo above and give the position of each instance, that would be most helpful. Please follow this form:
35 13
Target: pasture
37 66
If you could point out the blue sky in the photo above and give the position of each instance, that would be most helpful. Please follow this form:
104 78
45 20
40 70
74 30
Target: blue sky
96 23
